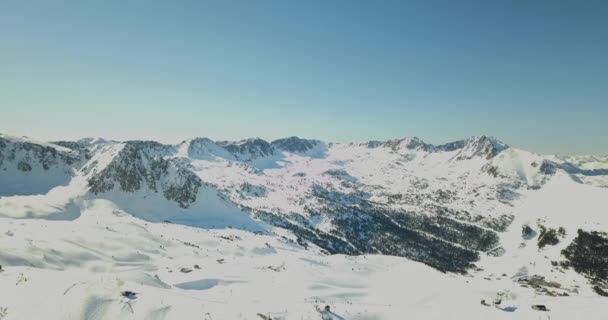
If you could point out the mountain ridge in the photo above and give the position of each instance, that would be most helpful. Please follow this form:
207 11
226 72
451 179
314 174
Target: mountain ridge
444 205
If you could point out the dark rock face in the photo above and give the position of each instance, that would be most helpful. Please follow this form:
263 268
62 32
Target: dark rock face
481 146
82 150
185 191
542 286
249 190
25 154
294 144
588 255
139 162
413 143
527 232
373 144
248 149
548 167
204 148
452 146
142 164
491 170
340 175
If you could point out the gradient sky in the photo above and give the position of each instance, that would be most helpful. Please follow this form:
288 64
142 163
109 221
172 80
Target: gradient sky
532 73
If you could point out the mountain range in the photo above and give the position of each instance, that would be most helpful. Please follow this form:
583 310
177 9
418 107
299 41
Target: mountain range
470 208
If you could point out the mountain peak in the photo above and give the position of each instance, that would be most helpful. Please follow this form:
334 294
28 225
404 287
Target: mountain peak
483 146
294 144
144 165
204 148
91 141
409 143
485 138
248 149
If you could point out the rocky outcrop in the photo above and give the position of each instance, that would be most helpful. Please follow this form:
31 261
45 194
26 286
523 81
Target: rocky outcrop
82 150
480 146
144 164
409 143
25 154
204 148
250 149
547 167
295 144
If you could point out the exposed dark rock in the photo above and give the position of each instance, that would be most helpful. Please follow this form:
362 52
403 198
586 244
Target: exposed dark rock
481 146
539 307
410 143
548 167
28 152
294 144
129 294
452 146
143 164
340 174
491 170
248 149
373 144
184 190
81 149
204 148
249 190
527 232
542 286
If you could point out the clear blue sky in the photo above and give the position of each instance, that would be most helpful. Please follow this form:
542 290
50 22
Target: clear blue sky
532 73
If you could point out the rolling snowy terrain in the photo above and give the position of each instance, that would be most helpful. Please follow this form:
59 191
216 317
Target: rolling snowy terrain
398 229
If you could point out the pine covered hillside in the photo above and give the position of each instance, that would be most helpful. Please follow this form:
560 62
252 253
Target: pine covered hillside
184 226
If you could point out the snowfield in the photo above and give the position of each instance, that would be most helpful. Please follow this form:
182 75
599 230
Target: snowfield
78 270
177 232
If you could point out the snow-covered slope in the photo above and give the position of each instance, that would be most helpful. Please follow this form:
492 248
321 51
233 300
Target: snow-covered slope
589 169
83 269
501 221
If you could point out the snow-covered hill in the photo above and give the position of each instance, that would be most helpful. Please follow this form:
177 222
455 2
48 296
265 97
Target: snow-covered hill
94 217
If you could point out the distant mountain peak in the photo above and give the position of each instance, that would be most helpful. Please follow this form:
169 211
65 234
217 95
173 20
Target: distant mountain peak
482 146
89 141
486 139
248 149
409 143
205 148
295 144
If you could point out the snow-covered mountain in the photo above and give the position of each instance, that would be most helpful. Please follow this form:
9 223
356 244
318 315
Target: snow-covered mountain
30 167
474 208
